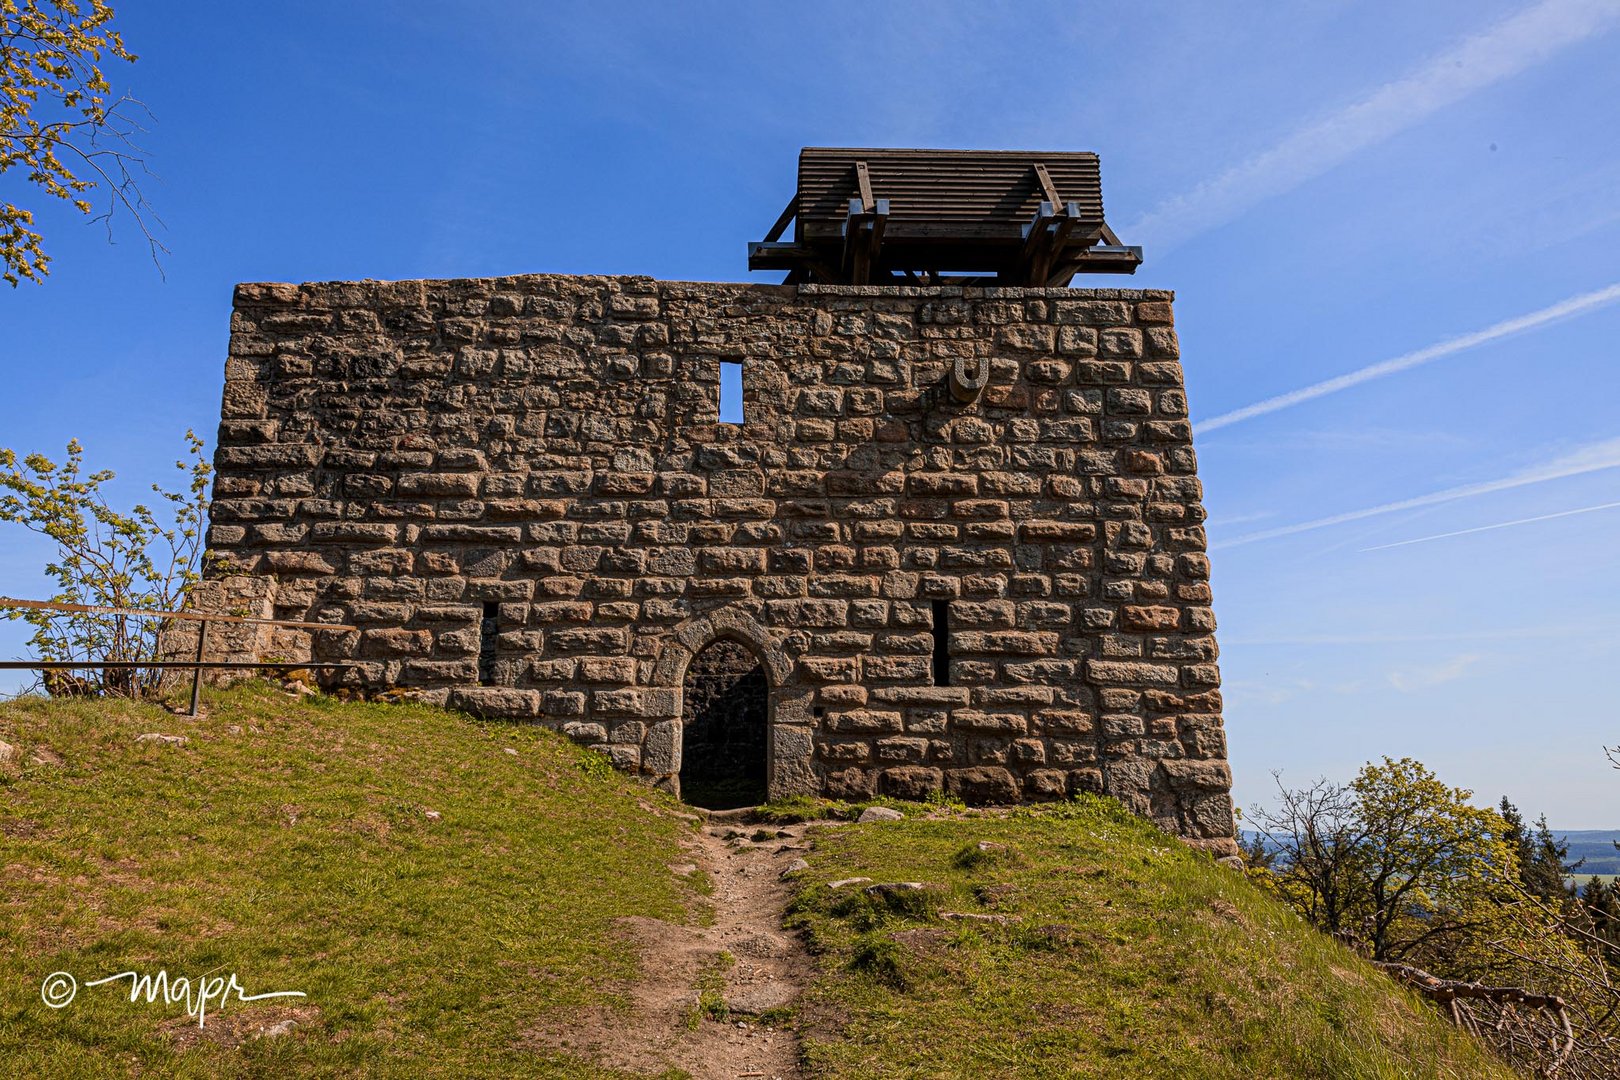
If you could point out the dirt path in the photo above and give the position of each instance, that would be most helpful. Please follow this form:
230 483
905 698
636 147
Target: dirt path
743 958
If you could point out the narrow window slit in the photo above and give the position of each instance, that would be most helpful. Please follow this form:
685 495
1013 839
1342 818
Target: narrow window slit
942 643
487 630
731 392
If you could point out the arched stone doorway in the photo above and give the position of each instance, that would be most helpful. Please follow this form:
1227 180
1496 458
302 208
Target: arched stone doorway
725 727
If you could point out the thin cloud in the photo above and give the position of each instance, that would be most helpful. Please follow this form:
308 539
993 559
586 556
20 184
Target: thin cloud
1564 309
1498 525
1591 458
1518 42
1240 519
1340 640
1434 675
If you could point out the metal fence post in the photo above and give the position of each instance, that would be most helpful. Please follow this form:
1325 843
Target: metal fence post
196 676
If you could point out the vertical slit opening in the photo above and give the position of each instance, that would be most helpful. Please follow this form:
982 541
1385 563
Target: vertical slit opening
487 631
731 392
942 643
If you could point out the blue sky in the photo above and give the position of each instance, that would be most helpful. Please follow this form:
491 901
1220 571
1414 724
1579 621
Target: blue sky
1328 187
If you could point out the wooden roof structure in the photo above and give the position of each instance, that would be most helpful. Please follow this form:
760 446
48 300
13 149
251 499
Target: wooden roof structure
959 217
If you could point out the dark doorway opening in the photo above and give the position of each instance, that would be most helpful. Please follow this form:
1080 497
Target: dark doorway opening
723 728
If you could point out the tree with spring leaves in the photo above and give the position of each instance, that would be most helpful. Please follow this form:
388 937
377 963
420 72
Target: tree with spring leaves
106 558
1407 868
1394 858
60 127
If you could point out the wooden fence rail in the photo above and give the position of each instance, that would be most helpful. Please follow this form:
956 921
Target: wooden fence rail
196 667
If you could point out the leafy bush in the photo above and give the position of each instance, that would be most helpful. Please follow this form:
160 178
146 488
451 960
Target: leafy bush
143 559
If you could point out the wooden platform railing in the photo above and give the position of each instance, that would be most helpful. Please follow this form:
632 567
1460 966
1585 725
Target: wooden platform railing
197 666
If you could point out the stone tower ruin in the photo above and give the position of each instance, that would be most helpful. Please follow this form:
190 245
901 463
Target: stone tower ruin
953 543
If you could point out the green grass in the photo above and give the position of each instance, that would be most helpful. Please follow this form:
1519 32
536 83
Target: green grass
711 992
290 844
1123 954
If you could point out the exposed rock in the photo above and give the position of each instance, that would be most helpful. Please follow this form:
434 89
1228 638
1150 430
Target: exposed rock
844 883
878 813
896 888
159 737
762 997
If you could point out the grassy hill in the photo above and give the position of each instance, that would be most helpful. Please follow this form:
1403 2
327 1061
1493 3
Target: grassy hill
446 892
294 845
1092 945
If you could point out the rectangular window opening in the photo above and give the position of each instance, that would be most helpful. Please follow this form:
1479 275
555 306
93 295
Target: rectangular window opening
731 392
942 643
487 629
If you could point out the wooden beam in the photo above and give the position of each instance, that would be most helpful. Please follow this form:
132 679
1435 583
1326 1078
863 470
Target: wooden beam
782 222
864 181
1044 239
193 616
1048 189
863 236
189 665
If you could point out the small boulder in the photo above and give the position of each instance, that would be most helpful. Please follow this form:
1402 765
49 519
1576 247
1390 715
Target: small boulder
795 867
433 815
8 753
760 998
159 737
843 883
878 813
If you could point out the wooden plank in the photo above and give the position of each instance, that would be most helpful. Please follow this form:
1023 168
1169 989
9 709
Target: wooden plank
864 183
782 222
193 616
189 665
1047 187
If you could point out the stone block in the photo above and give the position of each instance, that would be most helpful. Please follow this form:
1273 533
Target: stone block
982 786
496 701
911 782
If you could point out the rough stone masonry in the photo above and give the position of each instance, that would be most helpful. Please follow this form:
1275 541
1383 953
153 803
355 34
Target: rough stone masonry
521 490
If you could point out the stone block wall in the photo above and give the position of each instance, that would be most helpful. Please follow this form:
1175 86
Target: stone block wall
521 492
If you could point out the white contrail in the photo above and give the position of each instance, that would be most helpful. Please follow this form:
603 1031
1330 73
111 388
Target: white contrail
1498 525
1591 458
1564 309
1518 42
